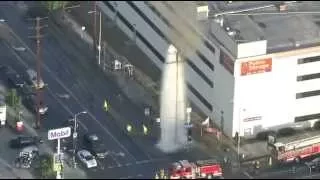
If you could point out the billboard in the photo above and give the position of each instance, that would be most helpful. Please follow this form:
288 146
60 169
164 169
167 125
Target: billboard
255 67
59 133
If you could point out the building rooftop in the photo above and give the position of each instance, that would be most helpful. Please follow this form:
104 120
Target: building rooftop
264 21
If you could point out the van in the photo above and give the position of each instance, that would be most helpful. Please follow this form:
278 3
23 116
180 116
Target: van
32 76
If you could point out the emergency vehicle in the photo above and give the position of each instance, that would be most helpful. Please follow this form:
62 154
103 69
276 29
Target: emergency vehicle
200 169
296 149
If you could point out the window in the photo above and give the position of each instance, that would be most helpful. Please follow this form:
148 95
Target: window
309 60
307 117
130 26
308 77
307 94
199 72
198 95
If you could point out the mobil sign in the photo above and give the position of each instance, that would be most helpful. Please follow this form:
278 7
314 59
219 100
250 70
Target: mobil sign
59 133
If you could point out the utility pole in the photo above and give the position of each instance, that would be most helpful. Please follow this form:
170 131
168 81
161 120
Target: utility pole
95 28
39 98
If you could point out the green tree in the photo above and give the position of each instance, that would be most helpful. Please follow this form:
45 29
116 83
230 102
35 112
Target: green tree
13 100
46 167
55 5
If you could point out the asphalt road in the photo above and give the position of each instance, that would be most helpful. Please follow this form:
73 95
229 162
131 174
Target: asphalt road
65 71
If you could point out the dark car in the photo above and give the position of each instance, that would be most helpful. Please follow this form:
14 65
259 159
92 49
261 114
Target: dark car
24 141
13 78
31 104
95 145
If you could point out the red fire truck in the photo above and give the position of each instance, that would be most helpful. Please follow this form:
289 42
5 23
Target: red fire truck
296 149
201 169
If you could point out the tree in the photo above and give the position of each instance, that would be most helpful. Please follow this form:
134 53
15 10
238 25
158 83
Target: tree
13 100
46 167
55 5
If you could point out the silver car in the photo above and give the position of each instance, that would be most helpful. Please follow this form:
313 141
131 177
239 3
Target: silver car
87 159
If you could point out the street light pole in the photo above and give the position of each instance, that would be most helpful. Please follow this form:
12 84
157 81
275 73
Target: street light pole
239 129
75 135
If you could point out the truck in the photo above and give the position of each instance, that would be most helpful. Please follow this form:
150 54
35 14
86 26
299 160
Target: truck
295 149
202 169
3 113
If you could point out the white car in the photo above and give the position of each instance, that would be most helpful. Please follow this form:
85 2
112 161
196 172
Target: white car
33 78
87 158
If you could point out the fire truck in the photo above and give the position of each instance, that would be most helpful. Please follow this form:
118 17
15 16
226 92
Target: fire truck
200 169
296 149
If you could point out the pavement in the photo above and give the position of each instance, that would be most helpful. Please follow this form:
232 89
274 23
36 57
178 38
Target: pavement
67 70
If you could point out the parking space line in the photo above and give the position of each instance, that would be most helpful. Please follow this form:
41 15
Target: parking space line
71 94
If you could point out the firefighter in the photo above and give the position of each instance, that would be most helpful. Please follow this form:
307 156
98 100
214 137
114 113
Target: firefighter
129 128
162 174
145 130
106 106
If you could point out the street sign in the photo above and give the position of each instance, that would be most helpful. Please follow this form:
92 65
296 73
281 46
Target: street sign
59 133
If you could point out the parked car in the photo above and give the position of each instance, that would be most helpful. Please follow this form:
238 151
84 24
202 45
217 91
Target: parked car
24 141
13 78
31 104
87 159
32 77
93 143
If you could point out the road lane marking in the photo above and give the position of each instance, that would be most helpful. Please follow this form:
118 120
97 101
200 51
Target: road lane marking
72 95
50 91
136 163
248 175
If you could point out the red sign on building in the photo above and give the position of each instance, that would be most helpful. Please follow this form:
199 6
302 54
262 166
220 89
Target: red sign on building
255 67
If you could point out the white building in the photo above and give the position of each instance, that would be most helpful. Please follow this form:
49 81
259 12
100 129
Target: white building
258 72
